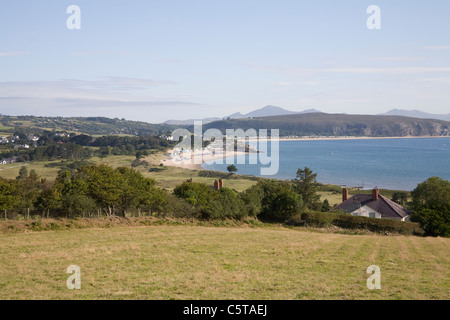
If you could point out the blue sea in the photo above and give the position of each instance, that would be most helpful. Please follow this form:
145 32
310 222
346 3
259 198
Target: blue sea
398 164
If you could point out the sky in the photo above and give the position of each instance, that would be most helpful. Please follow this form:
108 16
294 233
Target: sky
155 60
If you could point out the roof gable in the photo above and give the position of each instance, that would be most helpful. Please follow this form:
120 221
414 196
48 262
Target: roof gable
386 207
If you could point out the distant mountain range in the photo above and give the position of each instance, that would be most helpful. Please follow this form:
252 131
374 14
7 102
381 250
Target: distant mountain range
324 124
416 114
267 111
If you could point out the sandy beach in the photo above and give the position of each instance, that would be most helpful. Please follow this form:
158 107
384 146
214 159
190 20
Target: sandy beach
189 164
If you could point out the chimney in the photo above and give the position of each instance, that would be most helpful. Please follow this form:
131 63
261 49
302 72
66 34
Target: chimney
375 194
344 194
216 185
220 184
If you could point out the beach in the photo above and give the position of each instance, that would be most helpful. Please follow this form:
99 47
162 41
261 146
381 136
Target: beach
189 164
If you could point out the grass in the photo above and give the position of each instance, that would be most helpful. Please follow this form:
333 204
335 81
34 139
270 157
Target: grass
11 171
167 178
192 262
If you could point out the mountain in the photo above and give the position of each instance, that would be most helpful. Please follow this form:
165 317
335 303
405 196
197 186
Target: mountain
266 111
190 122
416 114
324 124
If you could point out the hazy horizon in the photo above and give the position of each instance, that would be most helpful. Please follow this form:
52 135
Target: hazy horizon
155 61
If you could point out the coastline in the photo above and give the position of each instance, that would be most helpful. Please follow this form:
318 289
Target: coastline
167 161
206 157
356 138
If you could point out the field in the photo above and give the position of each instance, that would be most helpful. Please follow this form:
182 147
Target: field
167 178
195 262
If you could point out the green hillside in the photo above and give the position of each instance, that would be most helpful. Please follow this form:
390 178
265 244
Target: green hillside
323 124
90 125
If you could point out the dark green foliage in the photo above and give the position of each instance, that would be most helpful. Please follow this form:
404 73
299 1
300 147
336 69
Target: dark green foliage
77 205
431 206
179 208
253 198
347 221
306 186
400 197
225 204
326 206
210 203
280 202
232 168
197 194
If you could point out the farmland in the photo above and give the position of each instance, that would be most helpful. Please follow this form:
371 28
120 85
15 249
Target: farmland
195 262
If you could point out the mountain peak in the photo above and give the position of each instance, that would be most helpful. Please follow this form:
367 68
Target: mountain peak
416 114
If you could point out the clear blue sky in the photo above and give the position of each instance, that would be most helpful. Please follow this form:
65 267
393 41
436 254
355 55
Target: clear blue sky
177 59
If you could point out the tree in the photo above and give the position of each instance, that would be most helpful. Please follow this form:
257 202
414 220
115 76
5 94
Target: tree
326 206
431 206
400 197
197 194
252 198
280 201
232 169
8 198
306 186
23 173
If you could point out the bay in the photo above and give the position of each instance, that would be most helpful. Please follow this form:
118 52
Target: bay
397 164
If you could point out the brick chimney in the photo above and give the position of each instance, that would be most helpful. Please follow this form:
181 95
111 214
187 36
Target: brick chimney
220 184
216 185
344 194
375 194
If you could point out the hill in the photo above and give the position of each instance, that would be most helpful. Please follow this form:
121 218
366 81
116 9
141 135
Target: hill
89 125
416 114
266 111
322 124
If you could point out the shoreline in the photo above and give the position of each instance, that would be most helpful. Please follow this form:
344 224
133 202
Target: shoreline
355 138
167 161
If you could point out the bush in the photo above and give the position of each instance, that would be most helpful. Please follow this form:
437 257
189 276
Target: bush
178 208
347 221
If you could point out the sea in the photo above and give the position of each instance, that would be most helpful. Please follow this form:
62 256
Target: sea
394 163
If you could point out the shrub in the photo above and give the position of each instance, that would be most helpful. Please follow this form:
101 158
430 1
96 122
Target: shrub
36 225
347 221
178 208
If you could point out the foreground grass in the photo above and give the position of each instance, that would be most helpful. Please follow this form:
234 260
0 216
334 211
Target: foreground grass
193 262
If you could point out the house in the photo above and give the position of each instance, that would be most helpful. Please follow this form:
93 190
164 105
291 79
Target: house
8 160
372 205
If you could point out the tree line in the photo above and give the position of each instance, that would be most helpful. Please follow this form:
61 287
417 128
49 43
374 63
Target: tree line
100 190
54 145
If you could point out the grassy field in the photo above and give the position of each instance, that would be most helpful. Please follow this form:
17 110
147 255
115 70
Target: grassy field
167 178
192 262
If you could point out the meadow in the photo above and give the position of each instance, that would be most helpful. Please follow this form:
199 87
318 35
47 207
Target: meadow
197 262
